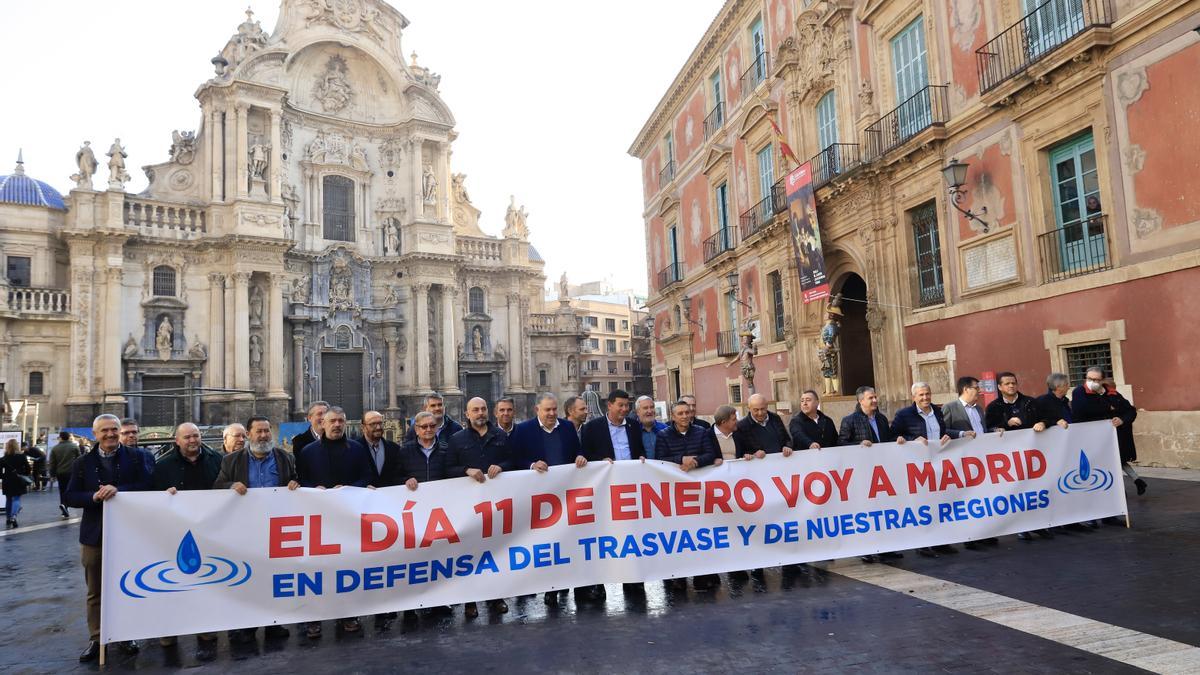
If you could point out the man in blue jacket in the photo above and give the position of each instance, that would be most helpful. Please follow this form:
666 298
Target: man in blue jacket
922 422
334 461
480 452
107 470
546 439
691 446
446 427
647 418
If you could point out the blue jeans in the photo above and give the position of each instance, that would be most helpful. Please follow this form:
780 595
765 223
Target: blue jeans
12 506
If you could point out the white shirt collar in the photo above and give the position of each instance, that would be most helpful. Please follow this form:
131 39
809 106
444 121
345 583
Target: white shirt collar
721 434
610 422
925 414
551 429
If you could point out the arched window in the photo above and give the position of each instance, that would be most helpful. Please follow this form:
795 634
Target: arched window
164 281
337 197
475 304
37 383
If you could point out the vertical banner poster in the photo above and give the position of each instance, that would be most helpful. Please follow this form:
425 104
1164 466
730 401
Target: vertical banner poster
806 234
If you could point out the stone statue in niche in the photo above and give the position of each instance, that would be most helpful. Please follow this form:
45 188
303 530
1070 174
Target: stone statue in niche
477 341
572 368
256 306
358 157
131 348
85 159
333 90
256 351
260 154
429 185
340 285
183 147
499 352
163 338
117 176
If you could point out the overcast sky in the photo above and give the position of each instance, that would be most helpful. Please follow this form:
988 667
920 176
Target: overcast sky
548 96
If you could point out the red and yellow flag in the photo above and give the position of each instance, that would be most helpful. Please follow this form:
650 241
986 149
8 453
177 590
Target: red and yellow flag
784 148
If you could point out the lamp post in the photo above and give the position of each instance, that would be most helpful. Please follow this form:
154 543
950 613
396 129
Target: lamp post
732 279
955 175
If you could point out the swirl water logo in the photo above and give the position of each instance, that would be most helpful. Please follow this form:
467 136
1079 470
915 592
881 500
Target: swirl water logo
190 572
1086 478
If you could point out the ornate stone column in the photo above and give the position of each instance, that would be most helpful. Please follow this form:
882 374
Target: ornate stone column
228 347
276 167
390 336
242 148
514 341
215 123
216 329
275 366
298 383
229 150
113 319
419 344
241 294
449 342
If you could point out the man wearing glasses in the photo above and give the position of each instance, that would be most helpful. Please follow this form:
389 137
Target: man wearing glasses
963 413
128 436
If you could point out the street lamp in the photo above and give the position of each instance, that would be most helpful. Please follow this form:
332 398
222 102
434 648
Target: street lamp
732 279
955 175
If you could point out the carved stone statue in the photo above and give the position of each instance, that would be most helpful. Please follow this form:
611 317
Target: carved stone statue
300 288
256 351
457 185
499 352
827 354
256 306
131 348
197 351
183 147
564 289
429 185
393 296
85 159
163 338
746 356
333 90
117 176
572 368
477 341
260 154
358 157
341 294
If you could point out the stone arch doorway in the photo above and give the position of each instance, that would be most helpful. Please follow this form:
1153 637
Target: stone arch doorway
857 360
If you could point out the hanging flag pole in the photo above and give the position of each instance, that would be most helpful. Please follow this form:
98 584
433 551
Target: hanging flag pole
784 149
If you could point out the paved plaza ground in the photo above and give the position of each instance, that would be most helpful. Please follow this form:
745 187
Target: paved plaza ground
1102 601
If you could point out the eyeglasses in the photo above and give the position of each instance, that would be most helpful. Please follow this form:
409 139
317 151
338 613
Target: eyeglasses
424 426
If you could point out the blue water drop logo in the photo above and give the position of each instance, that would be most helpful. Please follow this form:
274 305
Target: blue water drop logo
1086 478
1085 467
188 556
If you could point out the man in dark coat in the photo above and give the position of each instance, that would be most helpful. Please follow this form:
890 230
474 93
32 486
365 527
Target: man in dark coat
762 432
691 446
1098 399
480 452
922 421
62 457
108 469
188 465
424 458
1054 408
315 416
1012 409
546 438
866 425
331 462
385 459
691 401
963 413
812 429
447 427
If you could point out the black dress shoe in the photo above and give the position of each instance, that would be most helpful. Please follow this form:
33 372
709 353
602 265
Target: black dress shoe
1141 486
91 653
1024 536
498 606
206 650
927 552
1044 534
739 575
870 558
945 548
67 514
551 598
276 633
129 647
891 555
470 610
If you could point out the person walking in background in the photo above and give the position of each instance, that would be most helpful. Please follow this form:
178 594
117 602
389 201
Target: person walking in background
62 458
37 457
14 479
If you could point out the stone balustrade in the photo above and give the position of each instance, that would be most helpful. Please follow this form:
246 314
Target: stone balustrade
490 250
164 219
555 323
39 300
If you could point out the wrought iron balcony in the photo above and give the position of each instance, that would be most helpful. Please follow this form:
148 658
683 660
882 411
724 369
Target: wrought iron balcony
1075 249
667 174
1038 33
833 161
779 196
755 75
670 275
724 240
727 343
927 108
715 120
757 217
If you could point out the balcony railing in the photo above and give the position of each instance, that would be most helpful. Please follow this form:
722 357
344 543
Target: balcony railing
832 162
715 120
924 109
724 240
759 216
480 249
755 75
727 343
667 174
1075 249
671 274
39 300
165 219
1038 33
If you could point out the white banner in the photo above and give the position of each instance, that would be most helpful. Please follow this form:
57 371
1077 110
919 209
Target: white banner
212 560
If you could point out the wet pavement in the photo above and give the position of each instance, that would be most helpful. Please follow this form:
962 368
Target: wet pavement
796 620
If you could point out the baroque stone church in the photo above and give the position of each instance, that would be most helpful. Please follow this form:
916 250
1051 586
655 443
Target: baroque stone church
308 241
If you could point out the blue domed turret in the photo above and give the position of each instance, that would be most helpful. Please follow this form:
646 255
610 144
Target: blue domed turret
18 188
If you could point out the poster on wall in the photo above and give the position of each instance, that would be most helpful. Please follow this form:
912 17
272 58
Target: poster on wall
806 234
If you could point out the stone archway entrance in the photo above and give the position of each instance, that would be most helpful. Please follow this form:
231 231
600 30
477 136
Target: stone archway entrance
857 361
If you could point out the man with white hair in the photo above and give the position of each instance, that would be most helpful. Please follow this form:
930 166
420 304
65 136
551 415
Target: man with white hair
762 432
107 469
233 438
647 418
922 421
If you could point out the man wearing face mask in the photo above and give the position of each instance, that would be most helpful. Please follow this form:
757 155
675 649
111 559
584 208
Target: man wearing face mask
1093 401
260 464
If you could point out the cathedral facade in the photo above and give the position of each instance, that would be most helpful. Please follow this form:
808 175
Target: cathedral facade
308 241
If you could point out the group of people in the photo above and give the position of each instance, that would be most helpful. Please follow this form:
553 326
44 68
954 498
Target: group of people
436 447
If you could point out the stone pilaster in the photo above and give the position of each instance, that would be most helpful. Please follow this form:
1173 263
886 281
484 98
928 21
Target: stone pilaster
275 367
276 168
449 342
241 294
241 150
113 321
216 329
298 383
419 342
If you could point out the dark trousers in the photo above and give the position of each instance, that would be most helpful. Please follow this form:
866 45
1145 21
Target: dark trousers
90 557
63 479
